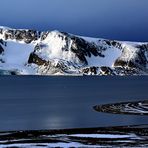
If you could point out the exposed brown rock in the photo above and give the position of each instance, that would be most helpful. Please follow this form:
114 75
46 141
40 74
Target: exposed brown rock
33 58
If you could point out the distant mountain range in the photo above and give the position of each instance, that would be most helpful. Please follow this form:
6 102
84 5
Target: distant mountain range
31 52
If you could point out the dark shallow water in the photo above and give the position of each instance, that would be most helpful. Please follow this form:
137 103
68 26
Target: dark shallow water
36 102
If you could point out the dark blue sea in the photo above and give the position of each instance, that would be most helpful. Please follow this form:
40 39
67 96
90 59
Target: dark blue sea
63 102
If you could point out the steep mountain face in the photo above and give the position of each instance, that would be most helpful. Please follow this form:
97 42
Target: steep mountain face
59 53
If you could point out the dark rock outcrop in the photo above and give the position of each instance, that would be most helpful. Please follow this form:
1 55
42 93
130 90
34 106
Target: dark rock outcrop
1 49
106 71
35 59
21 35
90 70
2 43
137 60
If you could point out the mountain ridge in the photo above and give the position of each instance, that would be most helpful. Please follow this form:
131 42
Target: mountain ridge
31 52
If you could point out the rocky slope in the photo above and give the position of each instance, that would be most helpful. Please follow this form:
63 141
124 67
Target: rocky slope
58 53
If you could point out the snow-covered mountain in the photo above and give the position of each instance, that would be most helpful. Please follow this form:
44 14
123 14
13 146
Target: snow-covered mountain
32 52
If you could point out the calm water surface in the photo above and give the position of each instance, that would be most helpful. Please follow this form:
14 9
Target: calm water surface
38 102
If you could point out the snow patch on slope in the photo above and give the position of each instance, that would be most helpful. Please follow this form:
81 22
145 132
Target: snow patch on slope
17 53
110 55
130 52
111 136
16 56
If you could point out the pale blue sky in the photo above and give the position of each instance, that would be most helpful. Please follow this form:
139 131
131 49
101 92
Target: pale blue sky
115 19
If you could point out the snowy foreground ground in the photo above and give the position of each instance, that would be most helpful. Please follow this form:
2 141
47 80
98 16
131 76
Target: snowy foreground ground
130 136
29 52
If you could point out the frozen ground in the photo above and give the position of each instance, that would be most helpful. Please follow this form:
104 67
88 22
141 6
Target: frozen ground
130 136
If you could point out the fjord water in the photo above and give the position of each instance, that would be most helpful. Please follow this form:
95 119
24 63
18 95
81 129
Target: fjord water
61 102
